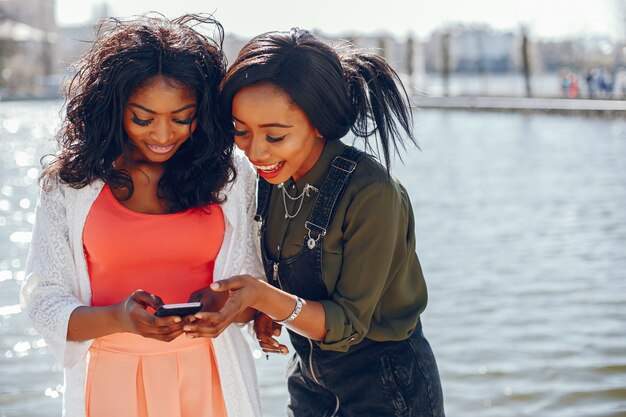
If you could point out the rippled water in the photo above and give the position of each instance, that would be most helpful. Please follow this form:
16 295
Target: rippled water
521 228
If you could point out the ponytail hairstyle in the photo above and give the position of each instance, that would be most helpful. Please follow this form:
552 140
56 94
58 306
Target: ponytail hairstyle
125 56
339 93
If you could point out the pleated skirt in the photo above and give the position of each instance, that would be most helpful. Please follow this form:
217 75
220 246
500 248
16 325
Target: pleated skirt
132 376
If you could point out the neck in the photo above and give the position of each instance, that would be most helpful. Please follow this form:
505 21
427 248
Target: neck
314 156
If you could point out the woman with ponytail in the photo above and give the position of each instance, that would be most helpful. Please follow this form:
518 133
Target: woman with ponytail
337 233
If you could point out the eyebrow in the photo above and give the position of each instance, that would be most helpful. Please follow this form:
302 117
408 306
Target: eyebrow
153 112
266 124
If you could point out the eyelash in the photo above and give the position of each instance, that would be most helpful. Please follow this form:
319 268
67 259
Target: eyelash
270 139
274 140
144 123
140 122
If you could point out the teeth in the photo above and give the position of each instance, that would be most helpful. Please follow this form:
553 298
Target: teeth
268 168
161 149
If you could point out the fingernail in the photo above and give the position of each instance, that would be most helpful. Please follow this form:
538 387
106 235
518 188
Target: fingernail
177 319
190 336
186 329
192 319
214 286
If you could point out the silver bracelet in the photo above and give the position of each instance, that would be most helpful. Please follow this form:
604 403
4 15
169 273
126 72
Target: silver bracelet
294 314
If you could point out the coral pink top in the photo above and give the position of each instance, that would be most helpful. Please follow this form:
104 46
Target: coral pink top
170 255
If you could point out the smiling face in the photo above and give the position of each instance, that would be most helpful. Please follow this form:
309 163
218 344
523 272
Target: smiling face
158 118
274 133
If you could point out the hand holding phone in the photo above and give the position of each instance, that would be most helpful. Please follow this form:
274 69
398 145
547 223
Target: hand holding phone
181 309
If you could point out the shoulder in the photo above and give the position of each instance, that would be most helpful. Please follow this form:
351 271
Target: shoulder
370 174
373 189
53 192
55 195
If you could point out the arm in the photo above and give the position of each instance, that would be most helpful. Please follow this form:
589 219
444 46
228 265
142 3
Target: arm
51 290
88 322
245 291
343 319
239 308
375 233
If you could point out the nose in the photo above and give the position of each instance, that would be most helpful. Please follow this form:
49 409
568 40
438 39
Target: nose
162 131
255 149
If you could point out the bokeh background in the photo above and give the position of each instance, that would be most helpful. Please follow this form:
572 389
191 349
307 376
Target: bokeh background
519 188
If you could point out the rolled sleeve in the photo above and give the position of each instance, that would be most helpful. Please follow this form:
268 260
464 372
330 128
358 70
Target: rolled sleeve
371 235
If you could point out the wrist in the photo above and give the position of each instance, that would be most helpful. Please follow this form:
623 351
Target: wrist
117 315
294 314
260 293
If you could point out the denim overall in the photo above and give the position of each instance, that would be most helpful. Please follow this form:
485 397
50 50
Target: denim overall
386 379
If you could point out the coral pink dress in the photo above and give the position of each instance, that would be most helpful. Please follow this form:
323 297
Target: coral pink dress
170 255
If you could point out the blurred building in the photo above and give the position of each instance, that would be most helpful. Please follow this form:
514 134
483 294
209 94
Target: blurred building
75 40
404 54
36 55
28 35
473 49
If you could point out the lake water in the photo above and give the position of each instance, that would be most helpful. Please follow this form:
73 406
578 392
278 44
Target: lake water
521 231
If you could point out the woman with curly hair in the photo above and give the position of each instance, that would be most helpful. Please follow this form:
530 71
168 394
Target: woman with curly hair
145 203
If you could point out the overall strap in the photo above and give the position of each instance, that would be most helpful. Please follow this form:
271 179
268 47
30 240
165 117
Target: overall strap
341 169
263 198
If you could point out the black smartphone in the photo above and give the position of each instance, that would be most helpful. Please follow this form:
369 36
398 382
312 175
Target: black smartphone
182 309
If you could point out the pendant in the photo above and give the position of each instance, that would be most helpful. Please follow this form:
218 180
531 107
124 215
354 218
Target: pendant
311 243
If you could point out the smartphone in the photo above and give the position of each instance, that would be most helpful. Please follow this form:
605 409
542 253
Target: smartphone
182 309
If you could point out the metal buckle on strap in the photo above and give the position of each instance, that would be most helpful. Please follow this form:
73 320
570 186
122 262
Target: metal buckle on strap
312 242
312 227
344 164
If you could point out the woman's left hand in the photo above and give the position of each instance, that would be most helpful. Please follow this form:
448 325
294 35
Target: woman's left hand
242 293
266 329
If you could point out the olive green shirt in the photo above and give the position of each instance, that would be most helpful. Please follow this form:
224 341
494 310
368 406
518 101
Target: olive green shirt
370 268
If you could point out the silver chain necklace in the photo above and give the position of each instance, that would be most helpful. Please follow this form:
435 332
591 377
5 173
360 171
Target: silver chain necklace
300 198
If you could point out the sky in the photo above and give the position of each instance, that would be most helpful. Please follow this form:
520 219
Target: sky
544 18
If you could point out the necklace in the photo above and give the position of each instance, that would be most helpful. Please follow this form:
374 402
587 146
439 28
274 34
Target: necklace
300 198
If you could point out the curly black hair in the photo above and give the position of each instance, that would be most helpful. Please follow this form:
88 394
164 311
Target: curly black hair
125 55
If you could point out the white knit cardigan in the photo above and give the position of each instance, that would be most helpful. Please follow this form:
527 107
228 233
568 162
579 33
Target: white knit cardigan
57 282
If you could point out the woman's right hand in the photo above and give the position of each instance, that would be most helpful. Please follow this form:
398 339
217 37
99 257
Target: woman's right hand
134 317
